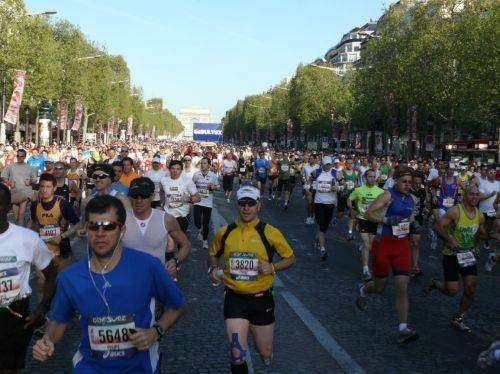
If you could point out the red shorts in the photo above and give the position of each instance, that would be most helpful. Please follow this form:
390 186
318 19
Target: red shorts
391 253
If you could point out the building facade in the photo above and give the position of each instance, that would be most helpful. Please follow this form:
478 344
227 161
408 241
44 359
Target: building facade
188 116
347 52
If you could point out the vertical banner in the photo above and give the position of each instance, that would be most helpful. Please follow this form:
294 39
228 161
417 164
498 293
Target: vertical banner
18 83
130 123
357 140
100 130
111 125
343 133
153 133
62 114
271 134
413 123
335 134
289 128
379 146
78 114
392 113
302 133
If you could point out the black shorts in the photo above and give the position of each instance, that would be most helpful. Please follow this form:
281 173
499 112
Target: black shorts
452 270
227 182
342 204
323 214
367 227
14 339
283 184
183 222
259 311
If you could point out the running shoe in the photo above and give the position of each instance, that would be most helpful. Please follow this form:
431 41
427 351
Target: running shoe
487 358
200 235
490 262
458 323
285 207
367 276
416 273
228 200
407 335
486 246
350 236
324 255
431 286
361 302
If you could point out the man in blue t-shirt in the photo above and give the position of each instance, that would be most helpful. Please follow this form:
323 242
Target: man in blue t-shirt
36 161
261 167
114 291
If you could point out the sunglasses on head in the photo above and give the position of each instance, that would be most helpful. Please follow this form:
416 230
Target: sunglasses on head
106 225
100 176
244 203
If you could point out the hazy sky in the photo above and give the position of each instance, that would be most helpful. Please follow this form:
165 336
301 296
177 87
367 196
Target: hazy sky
209 53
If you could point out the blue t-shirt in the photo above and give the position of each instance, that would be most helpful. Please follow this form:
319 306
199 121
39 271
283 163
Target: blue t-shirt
133 285
38 163
120 187
113 190
261 167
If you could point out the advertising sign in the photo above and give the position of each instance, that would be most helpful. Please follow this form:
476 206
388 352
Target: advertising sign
207 132
12 113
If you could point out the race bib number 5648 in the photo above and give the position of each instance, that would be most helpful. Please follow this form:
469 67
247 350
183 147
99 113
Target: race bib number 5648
109 337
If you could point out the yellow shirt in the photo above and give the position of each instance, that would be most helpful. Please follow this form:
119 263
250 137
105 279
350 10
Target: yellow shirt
242 253
127 179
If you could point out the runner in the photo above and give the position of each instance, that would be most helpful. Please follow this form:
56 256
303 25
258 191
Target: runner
459 228
489 189
129 173
326 186
118 172
362 197
306 173
416 226
349 180
261 169
206 182
20 176
113 291
20 248
273 173
249 275
228 171
285 167
148 229
393 211
62 182
156 174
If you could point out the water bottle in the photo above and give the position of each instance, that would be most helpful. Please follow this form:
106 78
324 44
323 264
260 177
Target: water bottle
219 273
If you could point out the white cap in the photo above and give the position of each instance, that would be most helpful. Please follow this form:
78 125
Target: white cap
328 160
249 192
157 159
336 160
433 174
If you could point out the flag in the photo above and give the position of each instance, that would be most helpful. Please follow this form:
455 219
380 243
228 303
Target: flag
12 114
101 128
78 114
62 114
357 141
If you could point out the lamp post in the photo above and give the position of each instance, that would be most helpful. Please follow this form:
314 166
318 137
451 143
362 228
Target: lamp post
27 130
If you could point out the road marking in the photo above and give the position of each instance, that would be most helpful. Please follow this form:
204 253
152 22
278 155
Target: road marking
346 362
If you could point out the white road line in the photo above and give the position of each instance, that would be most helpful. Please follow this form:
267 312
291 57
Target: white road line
346 362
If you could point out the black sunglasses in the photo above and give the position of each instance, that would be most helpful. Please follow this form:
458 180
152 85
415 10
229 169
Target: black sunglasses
20 155
100 176
141 195
244 203
106 225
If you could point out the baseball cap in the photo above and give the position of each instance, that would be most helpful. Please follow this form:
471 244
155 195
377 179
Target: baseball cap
157 159
248 192
141 186
187 158
106 168
336 160
328 160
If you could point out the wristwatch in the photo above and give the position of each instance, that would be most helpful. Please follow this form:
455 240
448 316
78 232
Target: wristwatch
160 330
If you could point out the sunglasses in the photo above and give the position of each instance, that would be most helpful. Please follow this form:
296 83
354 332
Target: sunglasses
100 176
20 155
106 225
244 203
142 196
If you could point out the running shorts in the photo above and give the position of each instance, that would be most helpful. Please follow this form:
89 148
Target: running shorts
323 214
452 270
342 205
391 253
14 338
227 182
283 184
367 227
257 309
261 178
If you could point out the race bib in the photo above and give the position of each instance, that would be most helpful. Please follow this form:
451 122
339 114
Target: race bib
10 281
285 168
349 185
466 259
402 229
273 170
109 337
448 202
383 177
49 232
242 170
324 187
175 201
203 191
261 170
244 266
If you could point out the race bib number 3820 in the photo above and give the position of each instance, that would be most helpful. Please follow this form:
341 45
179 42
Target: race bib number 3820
244 266
109 337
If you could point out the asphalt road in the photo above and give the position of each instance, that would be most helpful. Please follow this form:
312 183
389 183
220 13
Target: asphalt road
319 329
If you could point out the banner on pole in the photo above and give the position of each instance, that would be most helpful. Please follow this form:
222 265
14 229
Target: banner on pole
12 114
413 124
289 129
78 114
62 114
101 128
208 132
130 123
357 140
111 125
379 145
392 112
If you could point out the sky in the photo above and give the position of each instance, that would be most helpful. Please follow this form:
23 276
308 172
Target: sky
210 53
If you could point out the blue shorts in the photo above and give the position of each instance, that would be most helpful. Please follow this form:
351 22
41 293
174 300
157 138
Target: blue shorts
261 179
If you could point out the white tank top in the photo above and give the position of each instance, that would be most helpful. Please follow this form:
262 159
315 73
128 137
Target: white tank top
154 239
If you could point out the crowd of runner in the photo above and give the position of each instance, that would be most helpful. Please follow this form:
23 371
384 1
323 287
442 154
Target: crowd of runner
133 204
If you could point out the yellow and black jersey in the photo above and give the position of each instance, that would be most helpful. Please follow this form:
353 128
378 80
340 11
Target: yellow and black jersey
243 246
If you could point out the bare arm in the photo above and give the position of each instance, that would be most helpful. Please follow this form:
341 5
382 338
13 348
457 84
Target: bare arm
284 263
382 201
442 224
49 289
174 230
126 202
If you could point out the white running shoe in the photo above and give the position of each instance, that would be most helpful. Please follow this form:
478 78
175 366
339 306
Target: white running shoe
205 244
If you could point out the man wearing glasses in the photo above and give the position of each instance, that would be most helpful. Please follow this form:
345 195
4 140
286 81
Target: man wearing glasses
247 247
393 211
113 290
20 176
